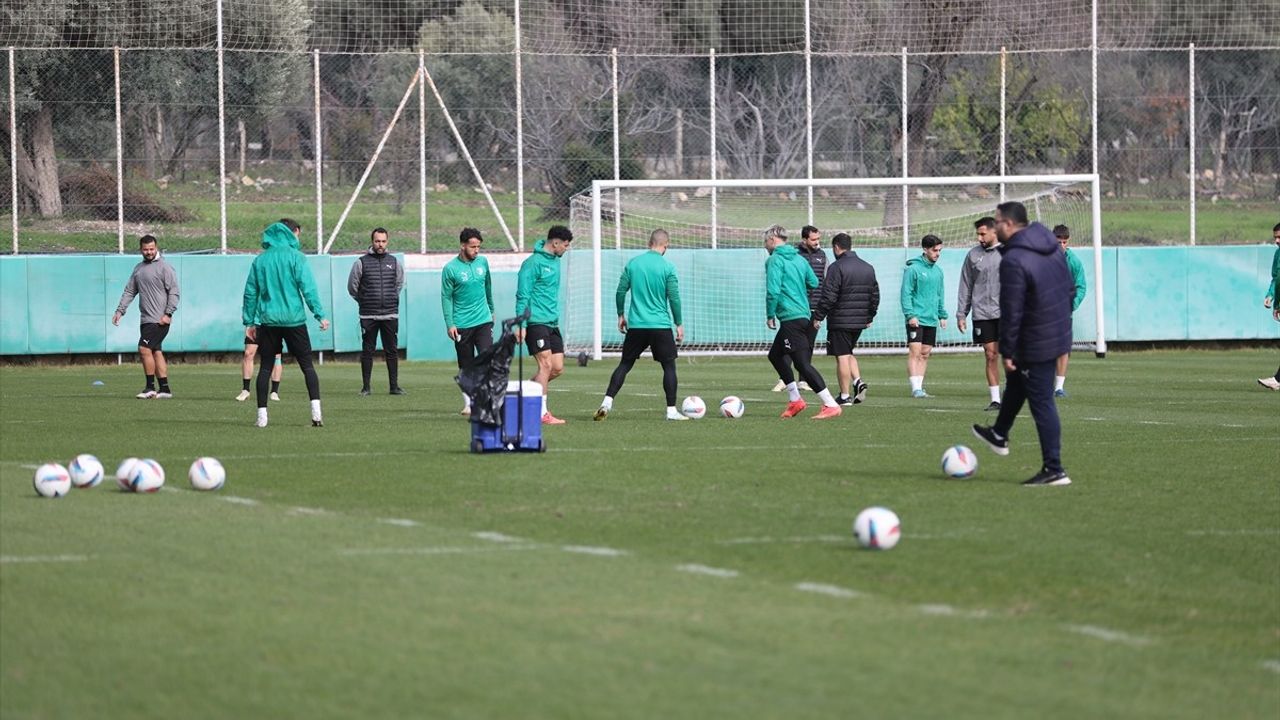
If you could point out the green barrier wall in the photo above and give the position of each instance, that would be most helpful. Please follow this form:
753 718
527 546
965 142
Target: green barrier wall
63 304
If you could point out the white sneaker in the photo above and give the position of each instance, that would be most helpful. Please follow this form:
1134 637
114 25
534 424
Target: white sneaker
262 422
780 386
146 395
275 396
676 416
803 386
1269 382
465 411
244 395
164 395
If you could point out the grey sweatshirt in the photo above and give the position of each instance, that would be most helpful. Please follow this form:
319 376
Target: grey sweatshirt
980 284
156 285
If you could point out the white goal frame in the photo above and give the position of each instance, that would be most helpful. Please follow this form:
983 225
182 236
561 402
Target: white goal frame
599 187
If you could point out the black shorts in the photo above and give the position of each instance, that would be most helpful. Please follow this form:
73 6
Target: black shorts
923 334
986 331
541 338
841 342
151 336
793 337
272 339
472 341
661 341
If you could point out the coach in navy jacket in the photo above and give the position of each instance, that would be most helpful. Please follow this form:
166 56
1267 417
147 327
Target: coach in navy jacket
1036 291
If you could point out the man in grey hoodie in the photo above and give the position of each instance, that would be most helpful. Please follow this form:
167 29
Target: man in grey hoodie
980 293
156 285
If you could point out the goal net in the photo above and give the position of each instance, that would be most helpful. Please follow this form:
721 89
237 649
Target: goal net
717 247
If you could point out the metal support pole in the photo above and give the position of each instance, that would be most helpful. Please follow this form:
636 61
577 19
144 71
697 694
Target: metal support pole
13 146
906 230
519 135
422 154
617 156
1100 295
317 144
222 143
1093 82
1191 131
715 194
1004 62
597 303
115 56
808 104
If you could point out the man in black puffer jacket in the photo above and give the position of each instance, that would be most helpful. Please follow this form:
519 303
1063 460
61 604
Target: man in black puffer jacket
848 298
375 282
1036 292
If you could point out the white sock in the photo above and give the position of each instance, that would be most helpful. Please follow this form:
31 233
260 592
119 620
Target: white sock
466 400
262 416
672 411
793 391
544 404
917 382
607 403
825 396
1059 381
995 392
315 410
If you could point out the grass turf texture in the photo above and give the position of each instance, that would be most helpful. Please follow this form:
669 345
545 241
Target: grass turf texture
307 603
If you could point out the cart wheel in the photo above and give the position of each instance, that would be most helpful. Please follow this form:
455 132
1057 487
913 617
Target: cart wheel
542 446
477 446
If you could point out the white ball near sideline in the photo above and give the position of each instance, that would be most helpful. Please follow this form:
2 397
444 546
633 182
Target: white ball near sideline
51 480
732 407
876 528
86 471
959 462
693 407
123 471
147 476
207 474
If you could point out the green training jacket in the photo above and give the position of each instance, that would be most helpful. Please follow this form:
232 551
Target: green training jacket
538 287
788 279
651 278
466 293
1077 275
279 281
922 288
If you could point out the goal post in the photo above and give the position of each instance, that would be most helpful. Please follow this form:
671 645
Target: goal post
720 263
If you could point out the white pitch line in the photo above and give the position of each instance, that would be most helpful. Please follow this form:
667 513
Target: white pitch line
1272 665
829 590
438 550
1262 531
1108 635
1154 422
307 511
19 559
696 569
773 541
399 522
598 551
236 500
950 611
496 537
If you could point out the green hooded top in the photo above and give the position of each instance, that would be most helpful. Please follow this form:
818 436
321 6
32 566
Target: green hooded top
788 279
538 287
1077 276
654 286
1275 275
922 288
278 283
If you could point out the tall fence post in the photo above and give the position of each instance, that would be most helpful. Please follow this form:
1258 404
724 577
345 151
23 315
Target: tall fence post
715 192
1191 131
906 230
13 146
1004 84
317 152
115 57
422 152
1093 83
617 155
222 144
808 104
519 134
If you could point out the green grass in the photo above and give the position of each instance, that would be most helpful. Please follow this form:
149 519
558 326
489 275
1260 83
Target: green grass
305 604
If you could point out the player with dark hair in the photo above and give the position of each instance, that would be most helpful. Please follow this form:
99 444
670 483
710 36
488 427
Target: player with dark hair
538 292
1269 301
848 299
923 306
155 284
1063 234
375 282
279 282
655 306
466 299
788 280
980 294
1035 330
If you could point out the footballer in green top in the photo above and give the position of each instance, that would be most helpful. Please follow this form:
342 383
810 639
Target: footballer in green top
466 299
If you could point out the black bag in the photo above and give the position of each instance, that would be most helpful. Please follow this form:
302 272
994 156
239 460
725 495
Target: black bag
485 379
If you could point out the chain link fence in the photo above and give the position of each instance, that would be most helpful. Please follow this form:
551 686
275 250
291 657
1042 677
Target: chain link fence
504 127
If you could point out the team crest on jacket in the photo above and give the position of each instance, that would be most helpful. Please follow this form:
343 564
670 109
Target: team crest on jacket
465 276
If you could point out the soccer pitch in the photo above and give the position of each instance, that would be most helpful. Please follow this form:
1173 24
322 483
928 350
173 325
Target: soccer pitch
642 568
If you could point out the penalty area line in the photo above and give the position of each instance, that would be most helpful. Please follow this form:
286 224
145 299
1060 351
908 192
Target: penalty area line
33 559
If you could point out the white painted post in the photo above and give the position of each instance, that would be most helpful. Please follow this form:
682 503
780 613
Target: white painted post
715 194
808 103
422 154
13 145
906 230
617 157
115 56
1191 129
597 303
1004 61
317 143
1100 294
519 135
222 143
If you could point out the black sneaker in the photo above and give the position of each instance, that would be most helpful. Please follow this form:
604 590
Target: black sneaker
844 400
1048 477
859 393
317 423
986 434
994 406
398 391
364 392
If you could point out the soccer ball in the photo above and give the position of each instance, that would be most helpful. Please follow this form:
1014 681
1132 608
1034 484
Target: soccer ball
732 407
147 476
207 474
123 471
876 528
693 407
959 462
51 481
86 471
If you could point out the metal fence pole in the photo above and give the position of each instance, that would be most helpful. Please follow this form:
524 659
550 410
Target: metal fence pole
715 193
422 153
115 56
1004 84
222 143
519 134
1093 83
808 103
906 230
13 145
317 151
1191 131
617 155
